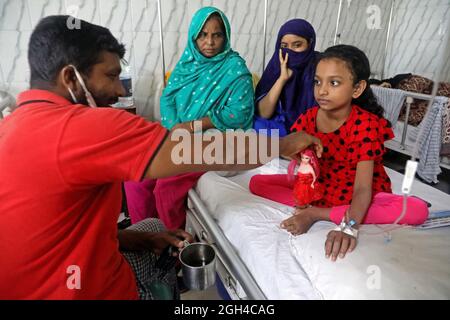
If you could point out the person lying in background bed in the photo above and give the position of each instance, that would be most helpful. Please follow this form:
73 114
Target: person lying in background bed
210 84
62 166
286 87
349 122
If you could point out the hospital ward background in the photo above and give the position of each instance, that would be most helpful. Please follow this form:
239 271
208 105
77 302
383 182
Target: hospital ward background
407 43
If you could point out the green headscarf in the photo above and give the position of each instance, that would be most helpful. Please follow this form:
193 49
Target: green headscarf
219 87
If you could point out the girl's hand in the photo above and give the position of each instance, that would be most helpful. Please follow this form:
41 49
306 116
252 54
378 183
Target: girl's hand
312 185
285 72
339 243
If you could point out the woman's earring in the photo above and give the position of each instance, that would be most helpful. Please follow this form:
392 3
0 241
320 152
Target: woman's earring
72 95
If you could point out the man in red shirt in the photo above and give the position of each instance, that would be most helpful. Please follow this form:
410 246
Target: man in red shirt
62 165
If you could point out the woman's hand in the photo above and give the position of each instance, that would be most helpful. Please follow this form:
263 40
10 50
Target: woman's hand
339 244
285 72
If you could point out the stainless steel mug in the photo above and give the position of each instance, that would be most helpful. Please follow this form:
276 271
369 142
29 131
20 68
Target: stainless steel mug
199 266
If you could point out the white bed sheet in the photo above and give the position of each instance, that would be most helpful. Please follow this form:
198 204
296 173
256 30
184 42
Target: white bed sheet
415 264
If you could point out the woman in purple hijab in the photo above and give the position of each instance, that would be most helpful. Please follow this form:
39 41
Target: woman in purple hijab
286 87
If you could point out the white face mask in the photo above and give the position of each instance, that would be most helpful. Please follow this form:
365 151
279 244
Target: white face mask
90 100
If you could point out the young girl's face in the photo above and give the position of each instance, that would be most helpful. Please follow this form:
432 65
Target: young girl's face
333 85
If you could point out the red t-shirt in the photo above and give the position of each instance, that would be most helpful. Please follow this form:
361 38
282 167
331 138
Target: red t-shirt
61 168
360 138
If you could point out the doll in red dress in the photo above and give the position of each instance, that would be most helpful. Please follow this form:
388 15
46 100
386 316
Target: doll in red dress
306 187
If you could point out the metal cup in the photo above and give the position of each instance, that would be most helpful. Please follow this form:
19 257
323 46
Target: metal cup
199 266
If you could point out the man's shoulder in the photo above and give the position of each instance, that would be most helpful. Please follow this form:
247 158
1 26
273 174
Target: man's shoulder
108 122
103 114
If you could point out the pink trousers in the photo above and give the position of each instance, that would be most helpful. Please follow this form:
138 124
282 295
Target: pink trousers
163 198
384 209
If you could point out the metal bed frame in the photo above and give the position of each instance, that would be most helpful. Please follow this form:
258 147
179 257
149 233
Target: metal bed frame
400 146
230 268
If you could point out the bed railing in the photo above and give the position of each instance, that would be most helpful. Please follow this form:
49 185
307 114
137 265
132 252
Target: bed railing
236 266
410 96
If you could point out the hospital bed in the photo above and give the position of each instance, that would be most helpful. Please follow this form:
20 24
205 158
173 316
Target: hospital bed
405 140
406 135
258 260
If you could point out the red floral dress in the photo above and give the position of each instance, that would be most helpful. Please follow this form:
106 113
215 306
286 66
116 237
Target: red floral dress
360 138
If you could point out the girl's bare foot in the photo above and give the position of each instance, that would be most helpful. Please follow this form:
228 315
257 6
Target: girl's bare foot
316 212
303 219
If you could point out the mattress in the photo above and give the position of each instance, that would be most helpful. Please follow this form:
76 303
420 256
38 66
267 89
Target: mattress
413 264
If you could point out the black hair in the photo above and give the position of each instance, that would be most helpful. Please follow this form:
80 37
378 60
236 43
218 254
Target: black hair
219 17
358 64
61 40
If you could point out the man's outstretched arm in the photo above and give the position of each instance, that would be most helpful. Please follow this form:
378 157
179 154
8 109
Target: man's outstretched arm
245 155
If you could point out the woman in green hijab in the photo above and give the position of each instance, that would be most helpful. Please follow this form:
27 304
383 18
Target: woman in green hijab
210 83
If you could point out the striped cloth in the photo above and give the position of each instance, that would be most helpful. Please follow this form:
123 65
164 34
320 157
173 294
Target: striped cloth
391 100
155 276
429 142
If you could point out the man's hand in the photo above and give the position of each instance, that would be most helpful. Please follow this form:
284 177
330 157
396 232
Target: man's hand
132 240
183 125
293 143
157 242
338 244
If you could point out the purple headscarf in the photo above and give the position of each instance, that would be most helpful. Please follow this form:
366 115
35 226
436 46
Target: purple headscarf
298 93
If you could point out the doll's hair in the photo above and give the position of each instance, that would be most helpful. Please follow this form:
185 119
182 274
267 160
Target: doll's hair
313 161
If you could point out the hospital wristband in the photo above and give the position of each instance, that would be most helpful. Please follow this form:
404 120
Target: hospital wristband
351 232
347 228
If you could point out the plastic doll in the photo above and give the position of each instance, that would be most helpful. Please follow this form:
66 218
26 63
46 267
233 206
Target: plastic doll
306 187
